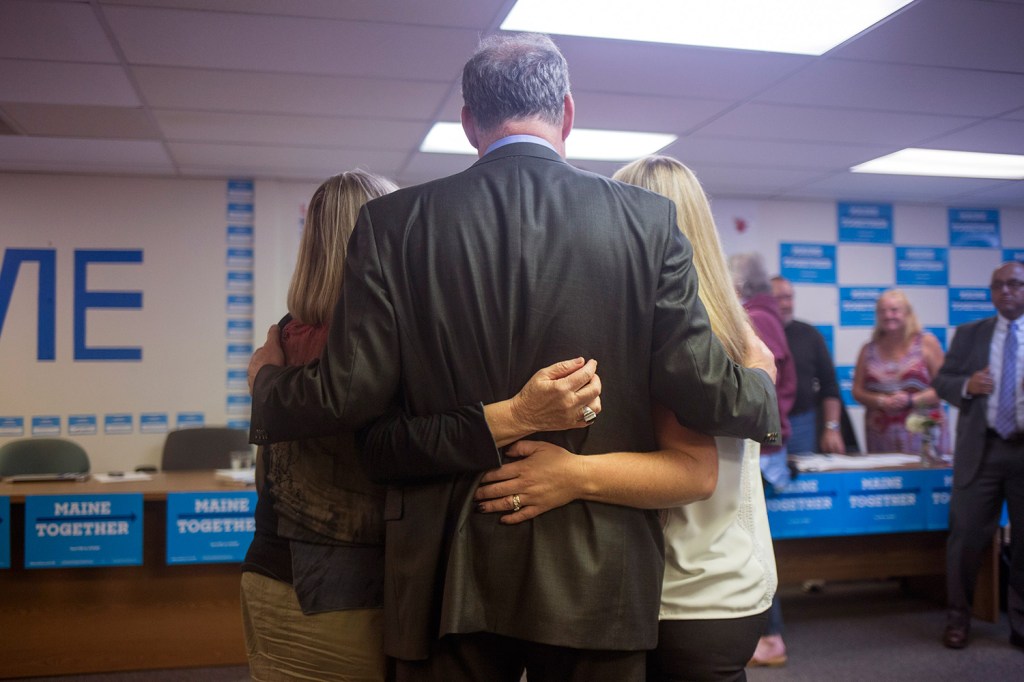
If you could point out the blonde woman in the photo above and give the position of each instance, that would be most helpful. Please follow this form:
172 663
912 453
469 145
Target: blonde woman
719 562
893 376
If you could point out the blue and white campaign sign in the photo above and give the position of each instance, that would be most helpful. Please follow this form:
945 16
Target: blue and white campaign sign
211 527
857 305
967 304
239 328
46 425
844 375
153 422
12 426
240 280
83 530
922 265
240 235
238 424
938 487
82 425
239 258
190 420
239 403
1013 254
5 532
974 227
237 380
865 223
239 304
810 263
241 213
120 423
884 502
238 353
940 334
240 190
827 331
807 507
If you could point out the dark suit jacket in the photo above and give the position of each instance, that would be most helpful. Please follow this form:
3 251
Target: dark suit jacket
455 293
968 353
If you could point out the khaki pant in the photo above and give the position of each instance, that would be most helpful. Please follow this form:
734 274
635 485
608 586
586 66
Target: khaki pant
285 644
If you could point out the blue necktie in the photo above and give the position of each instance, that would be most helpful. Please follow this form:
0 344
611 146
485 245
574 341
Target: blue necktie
1006 411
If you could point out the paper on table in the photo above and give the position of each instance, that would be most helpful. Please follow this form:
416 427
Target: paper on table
840 462
122 478
238 476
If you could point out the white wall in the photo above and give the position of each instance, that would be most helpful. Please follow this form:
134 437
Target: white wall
179 225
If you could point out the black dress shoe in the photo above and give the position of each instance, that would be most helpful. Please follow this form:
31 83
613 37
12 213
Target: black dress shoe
1017 640
954 637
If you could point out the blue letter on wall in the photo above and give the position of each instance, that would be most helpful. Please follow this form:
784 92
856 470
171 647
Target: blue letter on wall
47 315
85 299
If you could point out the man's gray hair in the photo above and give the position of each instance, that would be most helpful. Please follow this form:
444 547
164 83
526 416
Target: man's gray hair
513 76
749 275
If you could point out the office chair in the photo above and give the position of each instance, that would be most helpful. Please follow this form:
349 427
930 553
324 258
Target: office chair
207 447
43 456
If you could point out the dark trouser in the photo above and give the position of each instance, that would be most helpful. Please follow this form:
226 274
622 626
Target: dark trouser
973 515
704 650
486 657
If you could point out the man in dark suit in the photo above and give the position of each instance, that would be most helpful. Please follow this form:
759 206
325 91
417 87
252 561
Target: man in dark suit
982 375
454 293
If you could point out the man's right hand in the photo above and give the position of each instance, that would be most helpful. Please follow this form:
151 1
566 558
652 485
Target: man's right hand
270 353
980 383
758 355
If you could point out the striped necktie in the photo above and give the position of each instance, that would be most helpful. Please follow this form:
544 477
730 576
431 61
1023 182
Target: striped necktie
1006 411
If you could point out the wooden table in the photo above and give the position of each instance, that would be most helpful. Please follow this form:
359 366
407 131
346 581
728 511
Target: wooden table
84 620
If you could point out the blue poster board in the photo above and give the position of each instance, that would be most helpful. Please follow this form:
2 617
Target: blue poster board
82 425
808 263
210 527
967 304
857 305
12 426
83 530
922 266
974 227
1013 254
827 332
884 502
190 420
940 334
46 425
938 487
807 507
153 422
5 532
865 223
844 375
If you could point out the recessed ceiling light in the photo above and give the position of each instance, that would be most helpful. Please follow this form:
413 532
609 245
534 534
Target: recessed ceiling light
582 143
795 26
944 163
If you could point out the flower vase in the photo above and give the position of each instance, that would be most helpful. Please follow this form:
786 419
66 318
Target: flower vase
929 455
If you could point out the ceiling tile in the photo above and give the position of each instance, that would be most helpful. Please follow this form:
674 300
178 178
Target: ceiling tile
964 34
640 112
209 90
289 45
267 161
896 188
457 13
52 31
770 154
897 87
672 70
194 126
60 120
66 154
811 124
996 136
65 83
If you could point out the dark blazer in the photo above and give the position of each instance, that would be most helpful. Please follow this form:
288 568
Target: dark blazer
455 293
968 353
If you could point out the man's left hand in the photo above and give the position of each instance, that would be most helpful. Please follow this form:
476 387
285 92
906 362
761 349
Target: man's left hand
270 353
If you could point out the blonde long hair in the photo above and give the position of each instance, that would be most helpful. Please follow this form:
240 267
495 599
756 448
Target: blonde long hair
330 218
670 178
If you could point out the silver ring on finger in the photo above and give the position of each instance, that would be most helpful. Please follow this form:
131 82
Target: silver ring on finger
588 414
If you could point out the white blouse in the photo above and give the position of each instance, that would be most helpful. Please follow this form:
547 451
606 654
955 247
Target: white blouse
719 559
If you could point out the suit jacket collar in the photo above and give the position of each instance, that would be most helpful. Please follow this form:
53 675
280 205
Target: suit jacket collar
520 149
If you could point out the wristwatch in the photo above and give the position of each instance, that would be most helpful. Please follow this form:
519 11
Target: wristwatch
832 426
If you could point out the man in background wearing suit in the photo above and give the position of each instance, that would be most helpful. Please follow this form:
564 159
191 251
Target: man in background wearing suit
454 293
982 375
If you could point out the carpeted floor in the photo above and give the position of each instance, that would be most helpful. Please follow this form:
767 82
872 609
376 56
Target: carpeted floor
848 632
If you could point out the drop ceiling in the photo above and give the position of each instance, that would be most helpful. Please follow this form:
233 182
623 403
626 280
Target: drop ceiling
300 89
